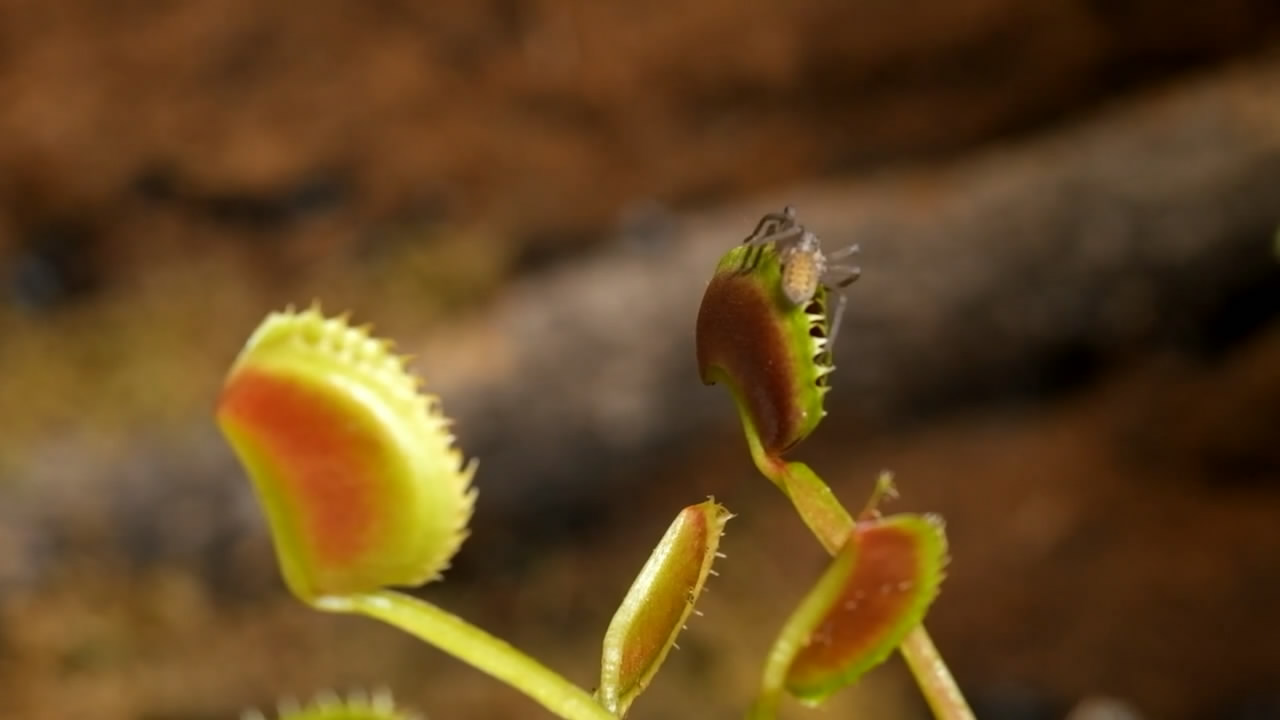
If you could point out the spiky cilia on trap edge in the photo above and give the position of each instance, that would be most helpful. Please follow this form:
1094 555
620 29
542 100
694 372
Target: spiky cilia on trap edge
765 329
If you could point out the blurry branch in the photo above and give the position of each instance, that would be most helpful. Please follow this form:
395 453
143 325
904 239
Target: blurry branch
1020 269
1023 268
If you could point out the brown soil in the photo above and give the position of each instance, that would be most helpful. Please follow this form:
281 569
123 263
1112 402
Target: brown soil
171 171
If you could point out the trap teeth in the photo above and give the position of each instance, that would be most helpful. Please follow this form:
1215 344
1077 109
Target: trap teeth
390 505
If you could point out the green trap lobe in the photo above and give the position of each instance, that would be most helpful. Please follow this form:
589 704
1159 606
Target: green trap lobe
895 573
739 342
323 458
769 352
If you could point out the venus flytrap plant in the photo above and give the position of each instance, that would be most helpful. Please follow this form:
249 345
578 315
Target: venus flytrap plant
658 604
363 490
769 345
875 591
774 358
354 466
358 476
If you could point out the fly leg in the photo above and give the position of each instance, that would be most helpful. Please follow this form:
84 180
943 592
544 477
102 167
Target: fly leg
775 227
845 252
841 276
836 316
837 278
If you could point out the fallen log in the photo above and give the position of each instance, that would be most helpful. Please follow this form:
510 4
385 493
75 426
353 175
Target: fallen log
1010 273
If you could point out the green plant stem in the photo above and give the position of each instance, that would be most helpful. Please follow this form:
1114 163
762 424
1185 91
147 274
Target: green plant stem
933 676
474 646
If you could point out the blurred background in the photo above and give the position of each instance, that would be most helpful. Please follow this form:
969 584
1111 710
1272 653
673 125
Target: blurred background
1065 339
